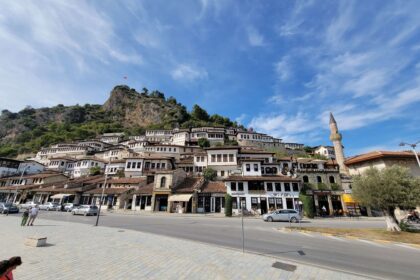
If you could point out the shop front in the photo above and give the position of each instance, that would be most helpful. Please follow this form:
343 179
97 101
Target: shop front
180 203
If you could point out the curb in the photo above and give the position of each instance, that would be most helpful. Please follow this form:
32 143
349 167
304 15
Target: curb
415 246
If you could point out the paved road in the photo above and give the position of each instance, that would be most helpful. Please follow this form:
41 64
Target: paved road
367 258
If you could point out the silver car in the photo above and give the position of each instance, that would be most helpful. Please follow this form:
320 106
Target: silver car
283 215
50 206
8 207
85 210
70 206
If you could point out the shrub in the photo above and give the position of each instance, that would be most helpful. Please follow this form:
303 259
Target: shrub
228 205
308 205
209 174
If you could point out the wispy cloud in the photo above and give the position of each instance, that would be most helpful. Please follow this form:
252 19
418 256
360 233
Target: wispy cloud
189 73
283 68
255 38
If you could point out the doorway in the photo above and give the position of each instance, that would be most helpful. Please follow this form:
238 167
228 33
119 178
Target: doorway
263 205
161 203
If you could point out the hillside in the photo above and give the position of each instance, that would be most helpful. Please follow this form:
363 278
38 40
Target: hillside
125 110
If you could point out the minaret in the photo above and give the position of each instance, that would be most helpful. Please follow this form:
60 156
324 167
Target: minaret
336 137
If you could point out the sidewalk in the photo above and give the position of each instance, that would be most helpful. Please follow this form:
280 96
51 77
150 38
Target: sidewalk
79 251
222 215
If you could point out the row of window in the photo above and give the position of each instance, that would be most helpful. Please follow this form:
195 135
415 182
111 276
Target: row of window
331 179
223 158
248 167
147 165
270 187
200 159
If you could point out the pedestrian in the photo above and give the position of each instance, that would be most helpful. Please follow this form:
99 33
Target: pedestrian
324 211
25 216
32 215
7 267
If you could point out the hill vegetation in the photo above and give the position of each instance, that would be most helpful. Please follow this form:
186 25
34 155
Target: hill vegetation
126 110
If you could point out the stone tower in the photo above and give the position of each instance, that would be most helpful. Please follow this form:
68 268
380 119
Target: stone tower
336 137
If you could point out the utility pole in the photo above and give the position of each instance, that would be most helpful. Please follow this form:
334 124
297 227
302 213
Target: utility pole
413 148
243 233
103 193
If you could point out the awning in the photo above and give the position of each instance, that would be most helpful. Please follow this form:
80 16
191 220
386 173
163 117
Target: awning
347 198
59 196
180 197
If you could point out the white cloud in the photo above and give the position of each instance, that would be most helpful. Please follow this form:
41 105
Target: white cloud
277 99
189 73
284 126
283 68
241 118
255 38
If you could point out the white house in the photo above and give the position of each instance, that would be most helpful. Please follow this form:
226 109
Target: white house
8 167
261 194
83 166
326 151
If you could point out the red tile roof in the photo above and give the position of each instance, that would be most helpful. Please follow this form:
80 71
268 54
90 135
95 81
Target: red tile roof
378 155
187 186
214 187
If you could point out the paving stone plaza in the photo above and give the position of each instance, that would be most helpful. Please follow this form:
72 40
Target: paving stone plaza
79 251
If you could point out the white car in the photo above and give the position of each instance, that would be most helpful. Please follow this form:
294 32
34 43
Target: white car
69 206
27 205
85 210
50 206
283 215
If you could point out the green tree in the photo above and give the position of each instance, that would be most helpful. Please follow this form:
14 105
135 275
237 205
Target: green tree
203 143
199 113
95 170
209 174
228 205
387 189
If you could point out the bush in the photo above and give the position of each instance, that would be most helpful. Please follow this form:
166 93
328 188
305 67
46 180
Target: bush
308 205
209 174
95 170
322 186
203 143
335 187
228 205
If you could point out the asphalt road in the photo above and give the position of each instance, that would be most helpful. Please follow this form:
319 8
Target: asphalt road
365 258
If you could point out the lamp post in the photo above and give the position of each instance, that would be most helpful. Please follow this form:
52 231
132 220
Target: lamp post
21 176
413 148
102 195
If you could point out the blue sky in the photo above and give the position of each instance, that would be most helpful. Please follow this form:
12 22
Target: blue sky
277 66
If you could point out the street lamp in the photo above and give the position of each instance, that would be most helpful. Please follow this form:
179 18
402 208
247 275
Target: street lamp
413 148
21 176
102 195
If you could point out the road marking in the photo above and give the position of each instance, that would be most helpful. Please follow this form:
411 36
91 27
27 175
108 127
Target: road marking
307 234
337 238
371 243
406 246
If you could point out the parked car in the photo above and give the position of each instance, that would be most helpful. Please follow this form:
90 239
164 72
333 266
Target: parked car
27 205
283 215
8 207
70 206
85 210
50 206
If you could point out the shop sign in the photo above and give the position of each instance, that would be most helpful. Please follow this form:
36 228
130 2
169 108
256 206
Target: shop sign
238 193
348 191
283 194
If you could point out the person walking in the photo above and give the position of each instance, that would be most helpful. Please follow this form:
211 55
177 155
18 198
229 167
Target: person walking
7 267
32 215
324 211
25 216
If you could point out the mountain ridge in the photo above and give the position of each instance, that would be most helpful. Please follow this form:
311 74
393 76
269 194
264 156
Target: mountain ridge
126 110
